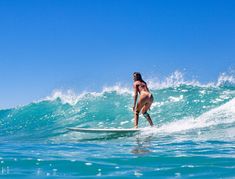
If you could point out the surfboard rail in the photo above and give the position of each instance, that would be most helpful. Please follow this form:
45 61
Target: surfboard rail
106 130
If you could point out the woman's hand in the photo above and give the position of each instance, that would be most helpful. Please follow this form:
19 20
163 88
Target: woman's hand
133 108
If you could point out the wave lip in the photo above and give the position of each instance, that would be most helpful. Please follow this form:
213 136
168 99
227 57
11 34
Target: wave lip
174 80
177 79
72 98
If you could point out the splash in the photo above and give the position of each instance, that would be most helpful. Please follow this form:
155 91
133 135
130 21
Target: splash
226 80
177 78
223 114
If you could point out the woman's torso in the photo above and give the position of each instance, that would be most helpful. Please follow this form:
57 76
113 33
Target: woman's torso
142 87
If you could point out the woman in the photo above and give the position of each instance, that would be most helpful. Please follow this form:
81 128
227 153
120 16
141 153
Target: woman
145 99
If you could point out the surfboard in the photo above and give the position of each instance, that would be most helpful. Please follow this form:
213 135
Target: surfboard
107 130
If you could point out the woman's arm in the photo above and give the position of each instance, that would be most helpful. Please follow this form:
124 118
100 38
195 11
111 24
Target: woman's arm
135 96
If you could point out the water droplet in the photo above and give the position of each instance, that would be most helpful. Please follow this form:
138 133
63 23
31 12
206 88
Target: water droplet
138 174
88 164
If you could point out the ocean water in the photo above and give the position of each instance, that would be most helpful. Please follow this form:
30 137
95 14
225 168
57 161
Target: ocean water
193 137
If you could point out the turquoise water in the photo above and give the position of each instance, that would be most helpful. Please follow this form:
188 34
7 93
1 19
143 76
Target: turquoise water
193 137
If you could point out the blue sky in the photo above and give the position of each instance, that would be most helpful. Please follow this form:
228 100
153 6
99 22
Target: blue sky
84 45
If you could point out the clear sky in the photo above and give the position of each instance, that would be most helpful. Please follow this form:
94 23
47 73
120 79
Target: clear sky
84 44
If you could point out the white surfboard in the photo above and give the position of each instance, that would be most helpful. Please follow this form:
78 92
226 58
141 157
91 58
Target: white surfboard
109 130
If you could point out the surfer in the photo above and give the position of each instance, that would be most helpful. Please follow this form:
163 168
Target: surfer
145 99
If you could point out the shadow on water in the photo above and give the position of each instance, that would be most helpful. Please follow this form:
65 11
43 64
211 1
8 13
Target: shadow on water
108 137
142 146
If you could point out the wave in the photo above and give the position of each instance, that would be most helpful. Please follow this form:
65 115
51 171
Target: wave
179 105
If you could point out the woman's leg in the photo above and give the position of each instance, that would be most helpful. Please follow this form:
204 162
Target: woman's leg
139 106
144 104
146 115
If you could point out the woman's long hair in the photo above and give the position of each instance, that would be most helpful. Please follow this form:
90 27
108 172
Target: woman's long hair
138 77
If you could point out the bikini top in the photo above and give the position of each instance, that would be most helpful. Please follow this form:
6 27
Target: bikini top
141 86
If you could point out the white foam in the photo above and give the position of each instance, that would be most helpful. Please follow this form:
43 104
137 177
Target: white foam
177 78
118 88
70 97
173 80
225 79
124 122
176 99
220 115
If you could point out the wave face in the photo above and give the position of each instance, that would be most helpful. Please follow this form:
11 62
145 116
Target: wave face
193 134
178 106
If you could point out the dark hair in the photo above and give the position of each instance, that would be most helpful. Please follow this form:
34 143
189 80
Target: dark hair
138 77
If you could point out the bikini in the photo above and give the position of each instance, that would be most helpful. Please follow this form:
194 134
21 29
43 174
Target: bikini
146 113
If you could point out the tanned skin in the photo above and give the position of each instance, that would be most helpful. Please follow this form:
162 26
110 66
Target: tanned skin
145 99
